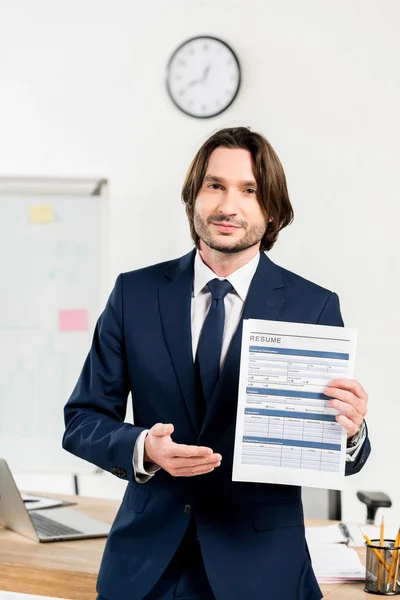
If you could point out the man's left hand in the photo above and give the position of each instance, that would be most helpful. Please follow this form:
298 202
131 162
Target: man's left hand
350 399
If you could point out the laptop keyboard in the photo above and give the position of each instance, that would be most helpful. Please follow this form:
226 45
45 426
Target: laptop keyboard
49 528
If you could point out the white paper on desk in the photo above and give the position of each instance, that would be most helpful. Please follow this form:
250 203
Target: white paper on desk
336 563
38 502
372 531
327 534
332 534
285 432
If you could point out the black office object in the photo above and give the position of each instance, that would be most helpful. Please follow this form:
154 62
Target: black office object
373 501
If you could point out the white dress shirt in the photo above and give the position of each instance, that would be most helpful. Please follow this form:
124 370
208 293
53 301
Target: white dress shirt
233 302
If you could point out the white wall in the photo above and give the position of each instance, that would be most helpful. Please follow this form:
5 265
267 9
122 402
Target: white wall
82 93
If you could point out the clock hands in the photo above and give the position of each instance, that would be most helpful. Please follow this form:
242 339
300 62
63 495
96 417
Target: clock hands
192 83
202 79
205 74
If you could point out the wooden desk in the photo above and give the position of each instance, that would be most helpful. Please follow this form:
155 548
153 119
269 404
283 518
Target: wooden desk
69 569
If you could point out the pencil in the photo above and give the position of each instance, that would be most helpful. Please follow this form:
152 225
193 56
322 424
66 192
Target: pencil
396 571
382 537
378 554
392 570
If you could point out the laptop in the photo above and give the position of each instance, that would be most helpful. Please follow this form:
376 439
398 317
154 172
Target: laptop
45 525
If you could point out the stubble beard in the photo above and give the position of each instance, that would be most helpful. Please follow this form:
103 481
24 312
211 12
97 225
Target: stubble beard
252 237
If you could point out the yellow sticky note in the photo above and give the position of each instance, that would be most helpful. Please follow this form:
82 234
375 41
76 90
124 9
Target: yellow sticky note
41 213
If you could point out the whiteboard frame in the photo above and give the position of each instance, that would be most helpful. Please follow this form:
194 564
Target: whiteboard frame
64 186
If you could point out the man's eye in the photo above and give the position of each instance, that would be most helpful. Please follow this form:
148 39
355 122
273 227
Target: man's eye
214 185
251 191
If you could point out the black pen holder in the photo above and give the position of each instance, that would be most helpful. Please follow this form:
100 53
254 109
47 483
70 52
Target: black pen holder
382 568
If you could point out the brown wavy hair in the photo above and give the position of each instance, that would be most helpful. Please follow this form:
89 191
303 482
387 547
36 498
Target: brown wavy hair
273 195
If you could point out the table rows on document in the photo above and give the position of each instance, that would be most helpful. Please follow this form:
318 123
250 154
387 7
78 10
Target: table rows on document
275 369
289 428
303 399
280 455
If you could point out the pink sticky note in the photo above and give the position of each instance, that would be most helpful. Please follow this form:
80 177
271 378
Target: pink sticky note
73 320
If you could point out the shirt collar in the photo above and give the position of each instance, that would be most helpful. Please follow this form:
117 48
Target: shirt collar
240 279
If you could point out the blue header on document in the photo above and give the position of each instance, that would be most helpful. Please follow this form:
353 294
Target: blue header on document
298 352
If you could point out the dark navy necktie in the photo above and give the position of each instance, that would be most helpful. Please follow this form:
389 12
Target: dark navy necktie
208 354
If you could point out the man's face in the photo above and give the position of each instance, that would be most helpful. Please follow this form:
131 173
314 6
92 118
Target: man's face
227 214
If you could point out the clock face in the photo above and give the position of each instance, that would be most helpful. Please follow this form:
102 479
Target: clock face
203 77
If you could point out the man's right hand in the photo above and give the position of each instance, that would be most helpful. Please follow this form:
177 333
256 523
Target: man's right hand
179 460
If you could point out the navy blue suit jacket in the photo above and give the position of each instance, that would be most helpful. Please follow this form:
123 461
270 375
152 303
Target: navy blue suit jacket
251 535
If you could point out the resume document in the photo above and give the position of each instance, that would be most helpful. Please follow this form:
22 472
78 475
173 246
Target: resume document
285 432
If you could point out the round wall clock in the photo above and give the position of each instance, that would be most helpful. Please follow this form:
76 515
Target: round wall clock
203 76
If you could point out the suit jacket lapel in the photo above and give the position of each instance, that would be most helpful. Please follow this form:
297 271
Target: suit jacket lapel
175 308
265 300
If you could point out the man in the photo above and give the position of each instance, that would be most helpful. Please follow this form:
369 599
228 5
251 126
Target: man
184 529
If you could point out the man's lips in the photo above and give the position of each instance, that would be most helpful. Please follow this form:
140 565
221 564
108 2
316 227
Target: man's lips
225 226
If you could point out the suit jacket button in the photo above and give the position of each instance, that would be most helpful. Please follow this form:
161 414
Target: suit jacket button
187 509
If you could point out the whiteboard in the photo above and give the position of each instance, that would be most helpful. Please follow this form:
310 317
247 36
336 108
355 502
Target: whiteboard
52 273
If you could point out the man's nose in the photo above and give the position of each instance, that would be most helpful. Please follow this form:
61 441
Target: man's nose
228 203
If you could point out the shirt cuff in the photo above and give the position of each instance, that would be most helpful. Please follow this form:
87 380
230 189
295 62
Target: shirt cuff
141 475
356 442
